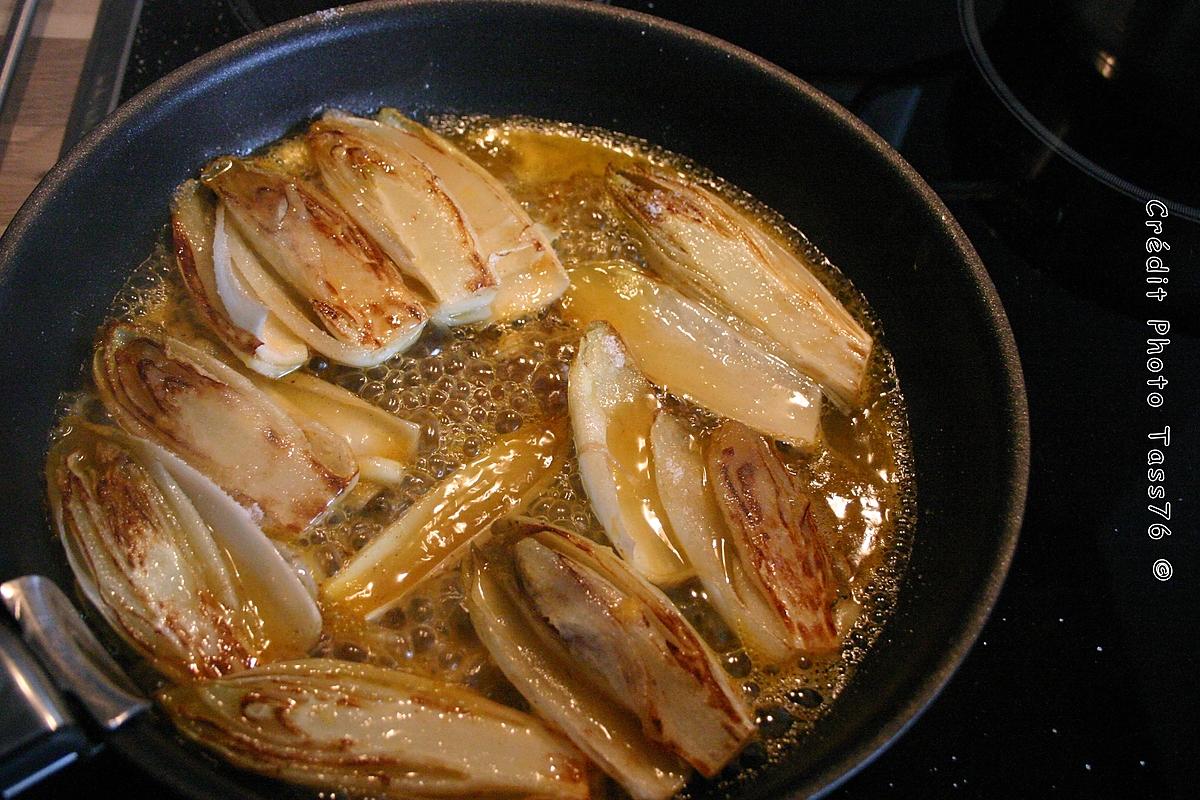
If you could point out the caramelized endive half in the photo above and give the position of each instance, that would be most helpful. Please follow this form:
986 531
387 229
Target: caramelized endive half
695 237
774 534
403 205
691 352
604 656
530 274
382 443
440 216
323 278
194 587
436 529
159 388
369 731
222 298
689 498
612 408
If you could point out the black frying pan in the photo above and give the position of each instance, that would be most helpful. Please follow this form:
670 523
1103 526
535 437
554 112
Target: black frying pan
98 213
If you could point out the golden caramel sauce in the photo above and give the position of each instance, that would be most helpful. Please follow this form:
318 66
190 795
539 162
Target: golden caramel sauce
446 519
629 443
468 388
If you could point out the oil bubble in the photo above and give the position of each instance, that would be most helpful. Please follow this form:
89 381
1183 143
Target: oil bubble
773 721
805 697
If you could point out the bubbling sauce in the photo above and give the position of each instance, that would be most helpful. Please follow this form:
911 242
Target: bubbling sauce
466 386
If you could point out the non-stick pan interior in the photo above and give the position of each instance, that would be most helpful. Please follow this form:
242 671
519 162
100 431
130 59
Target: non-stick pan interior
100 211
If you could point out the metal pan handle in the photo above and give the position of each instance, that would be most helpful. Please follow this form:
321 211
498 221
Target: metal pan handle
60 658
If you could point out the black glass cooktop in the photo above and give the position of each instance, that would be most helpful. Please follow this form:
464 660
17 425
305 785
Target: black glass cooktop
1082 683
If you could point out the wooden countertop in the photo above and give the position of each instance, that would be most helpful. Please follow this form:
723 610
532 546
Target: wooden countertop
39 101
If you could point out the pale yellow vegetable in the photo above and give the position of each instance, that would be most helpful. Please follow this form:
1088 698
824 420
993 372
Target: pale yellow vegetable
693 236
530 274
219 292
372 732
604 656
612 408
688 350
689 499
403 205
774 535
194 587
216 420
382 443
327 282
545 673
436 528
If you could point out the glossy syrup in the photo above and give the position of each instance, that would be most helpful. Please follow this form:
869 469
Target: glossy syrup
467 386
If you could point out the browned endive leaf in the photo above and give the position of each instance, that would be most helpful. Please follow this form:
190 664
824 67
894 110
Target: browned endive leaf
185 578
192 235
219 423
605 656
722 255
530 274
376 732
207 253
405 207
687 496
364 310
775 534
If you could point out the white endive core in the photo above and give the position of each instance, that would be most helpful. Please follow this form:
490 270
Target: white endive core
242 305
244 309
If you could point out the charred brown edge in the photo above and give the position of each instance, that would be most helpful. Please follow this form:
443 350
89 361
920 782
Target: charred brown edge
107 350
220 323
363 152
732 489
693 659
336 225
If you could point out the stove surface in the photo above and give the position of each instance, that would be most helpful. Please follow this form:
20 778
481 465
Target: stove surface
1081 683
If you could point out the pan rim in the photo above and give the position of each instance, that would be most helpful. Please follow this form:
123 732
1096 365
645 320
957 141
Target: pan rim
278 40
